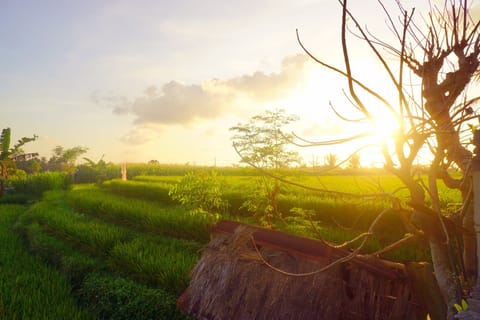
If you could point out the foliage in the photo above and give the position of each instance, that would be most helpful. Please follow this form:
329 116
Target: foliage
6 152
148 258
157 261
263 143
90 231
155 190
96 170
461 307
64 159
139 214
29 289
262 201
118 298
30 166
35 185
200 192
74 264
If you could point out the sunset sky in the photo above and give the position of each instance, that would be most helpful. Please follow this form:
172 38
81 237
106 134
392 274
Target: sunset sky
142 80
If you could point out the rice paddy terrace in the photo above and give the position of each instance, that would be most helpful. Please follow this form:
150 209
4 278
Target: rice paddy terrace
125 250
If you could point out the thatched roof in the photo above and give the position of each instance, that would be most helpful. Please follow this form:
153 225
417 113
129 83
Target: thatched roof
236 278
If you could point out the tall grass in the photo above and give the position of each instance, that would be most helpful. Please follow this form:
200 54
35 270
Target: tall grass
160 262
58 253
147 190
152 259
139 214
34 185
28 288
107 296
170 180
92 235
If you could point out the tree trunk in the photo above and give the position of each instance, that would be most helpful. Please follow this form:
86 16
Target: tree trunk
430 223
446 278
469 246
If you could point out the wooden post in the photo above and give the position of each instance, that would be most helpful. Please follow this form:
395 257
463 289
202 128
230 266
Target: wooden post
124 171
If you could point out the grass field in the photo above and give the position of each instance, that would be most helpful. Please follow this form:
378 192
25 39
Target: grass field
30 289
124 249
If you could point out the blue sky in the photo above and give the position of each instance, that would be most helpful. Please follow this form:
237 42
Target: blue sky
164 80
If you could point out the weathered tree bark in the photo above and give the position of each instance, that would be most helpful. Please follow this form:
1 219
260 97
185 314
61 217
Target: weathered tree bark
445 56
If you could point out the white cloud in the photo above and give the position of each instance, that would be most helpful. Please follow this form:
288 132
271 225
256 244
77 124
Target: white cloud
140 135
177 103
270 86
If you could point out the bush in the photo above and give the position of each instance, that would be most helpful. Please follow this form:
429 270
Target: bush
118 298
96 173
35 185
200 192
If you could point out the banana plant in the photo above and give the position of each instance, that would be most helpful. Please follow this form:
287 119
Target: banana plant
6 153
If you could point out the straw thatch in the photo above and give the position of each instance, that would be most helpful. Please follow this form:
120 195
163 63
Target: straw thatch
233 281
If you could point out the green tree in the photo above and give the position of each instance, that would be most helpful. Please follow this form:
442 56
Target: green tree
263 143
92 171
64 159
7 153
29 166
201 192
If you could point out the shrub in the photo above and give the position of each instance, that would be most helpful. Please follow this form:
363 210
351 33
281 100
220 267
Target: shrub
200 192
118 298
36 184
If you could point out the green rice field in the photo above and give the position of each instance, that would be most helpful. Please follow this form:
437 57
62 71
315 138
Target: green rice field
124 249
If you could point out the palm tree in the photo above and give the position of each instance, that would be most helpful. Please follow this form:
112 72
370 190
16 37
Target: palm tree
7 153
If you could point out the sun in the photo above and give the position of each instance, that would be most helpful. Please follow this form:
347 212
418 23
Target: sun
321 108
383 128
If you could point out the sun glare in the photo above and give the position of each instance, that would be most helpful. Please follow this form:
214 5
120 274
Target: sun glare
314 103
383 128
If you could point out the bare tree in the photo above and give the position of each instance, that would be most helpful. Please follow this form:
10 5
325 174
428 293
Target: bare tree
331 160
354 161
439 53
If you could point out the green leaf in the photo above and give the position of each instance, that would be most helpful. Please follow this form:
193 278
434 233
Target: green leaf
458 307
464 304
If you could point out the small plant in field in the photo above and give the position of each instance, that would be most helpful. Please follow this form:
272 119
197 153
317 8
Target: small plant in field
263 143
459 307
200 192
303 221
263 201
462 306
